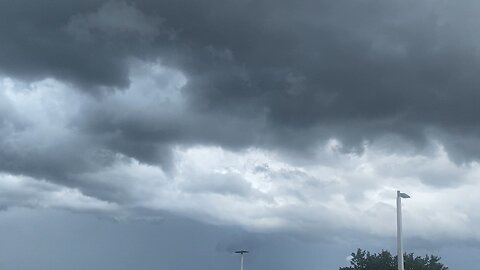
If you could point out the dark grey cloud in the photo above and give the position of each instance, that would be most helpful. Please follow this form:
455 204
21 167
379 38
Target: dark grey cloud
314 69
266 74
318 66
85 42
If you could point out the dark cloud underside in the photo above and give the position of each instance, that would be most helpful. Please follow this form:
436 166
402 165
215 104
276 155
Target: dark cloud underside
380 66
270 74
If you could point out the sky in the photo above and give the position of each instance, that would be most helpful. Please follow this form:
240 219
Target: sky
166 134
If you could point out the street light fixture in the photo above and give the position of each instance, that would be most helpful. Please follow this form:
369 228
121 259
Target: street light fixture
400 195
241 252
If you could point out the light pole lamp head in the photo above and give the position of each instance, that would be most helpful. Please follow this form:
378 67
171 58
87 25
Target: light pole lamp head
241 251
402 195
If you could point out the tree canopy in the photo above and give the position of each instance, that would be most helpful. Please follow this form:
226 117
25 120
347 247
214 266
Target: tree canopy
384 260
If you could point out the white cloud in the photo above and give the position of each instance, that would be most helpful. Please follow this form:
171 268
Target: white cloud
22 191
357 193
255 188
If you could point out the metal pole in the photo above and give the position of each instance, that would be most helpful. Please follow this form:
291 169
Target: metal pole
241 252
399 232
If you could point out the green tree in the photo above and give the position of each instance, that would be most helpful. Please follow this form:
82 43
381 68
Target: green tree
364 260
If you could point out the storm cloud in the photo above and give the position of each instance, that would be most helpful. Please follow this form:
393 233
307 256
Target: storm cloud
244 113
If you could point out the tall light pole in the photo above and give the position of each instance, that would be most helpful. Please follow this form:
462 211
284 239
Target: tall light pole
241 252
399 228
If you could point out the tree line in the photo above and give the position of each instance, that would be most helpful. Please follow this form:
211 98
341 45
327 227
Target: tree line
384 260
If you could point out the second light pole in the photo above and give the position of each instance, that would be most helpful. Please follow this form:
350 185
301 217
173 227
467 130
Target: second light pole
241 252
399 229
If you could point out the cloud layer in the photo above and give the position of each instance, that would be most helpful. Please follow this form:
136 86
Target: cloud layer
269 115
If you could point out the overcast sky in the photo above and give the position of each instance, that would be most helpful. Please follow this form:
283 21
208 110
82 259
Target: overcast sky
165 134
